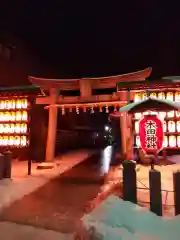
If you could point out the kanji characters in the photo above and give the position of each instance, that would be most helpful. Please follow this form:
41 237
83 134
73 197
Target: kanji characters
150 129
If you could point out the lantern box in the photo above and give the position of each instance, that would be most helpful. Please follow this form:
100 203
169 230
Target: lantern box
170 119
14 122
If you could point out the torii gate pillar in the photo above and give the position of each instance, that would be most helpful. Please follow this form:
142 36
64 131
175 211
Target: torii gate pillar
52 126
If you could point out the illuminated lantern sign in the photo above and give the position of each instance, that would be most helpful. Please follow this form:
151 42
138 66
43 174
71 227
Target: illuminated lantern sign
151 134
14 122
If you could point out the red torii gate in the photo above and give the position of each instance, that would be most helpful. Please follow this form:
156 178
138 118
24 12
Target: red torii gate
85 85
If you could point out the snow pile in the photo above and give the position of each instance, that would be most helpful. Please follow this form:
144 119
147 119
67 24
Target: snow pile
117 219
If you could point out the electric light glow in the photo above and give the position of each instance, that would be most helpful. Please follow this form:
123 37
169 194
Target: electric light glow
171 119
171 126
14 122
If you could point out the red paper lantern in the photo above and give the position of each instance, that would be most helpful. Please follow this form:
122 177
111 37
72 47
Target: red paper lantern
151 134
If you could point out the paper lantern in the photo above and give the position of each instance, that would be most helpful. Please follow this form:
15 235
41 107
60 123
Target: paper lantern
18 103
151 134
162 115
178 126
24 116
24 103
161 95
18 116
138 144
164 126
6 116
144 96
12 128
13 104
17 128
11 141
165 141
170 114
137 115
136 126
178 140
169 96
13 116
2 104
23 141
171 126
5 141
153 95
137 97
17 140
23 128
177 97
177 114
172 141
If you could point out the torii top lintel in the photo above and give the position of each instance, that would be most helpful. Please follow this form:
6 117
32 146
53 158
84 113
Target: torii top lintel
100 82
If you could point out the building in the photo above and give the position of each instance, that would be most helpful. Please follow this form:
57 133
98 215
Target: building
166 88
81 95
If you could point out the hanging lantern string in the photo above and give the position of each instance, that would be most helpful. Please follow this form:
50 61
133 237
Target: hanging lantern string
63 110
84 109
107 109
77 110
100 108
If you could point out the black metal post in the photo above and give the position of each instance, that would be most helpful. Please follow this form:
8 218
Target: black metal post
155 192
129 182
7 164
176 182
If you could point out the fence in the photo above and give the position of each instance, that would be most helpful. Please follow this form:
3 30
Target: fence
156 205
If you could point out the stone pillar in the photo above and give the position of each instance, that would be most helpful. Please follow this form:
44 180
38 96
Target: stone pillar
123 128
129 144
85 88
52 126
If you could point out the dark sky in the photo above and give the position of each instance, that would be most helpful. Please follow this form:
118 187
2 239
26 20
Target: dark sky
85 38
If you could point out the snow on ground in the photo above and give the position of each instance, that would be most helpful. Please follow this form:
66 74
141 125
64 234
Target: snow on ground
143 184
13 231
21 184
116 219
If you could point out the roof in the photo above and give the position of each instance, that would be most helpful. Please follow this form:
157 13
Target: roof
74 83
172 78
148 84
21 91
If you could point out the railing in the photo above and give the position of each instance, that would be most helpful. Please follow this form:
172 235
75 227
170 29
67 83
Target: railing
157 204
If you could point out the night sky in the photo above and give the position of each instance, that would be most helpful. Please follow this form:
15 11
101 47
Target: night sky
80 39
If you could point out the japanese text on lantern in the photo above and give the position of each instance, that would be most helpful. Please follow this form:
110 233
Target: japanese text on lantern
151 133
150 129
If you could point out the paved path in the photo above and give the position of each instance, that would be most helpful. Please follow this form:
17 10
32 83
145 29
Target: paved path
14 231
60 203
21 184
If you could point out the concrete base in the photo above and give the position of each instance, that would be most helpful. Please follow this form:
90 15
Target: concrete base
45 165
